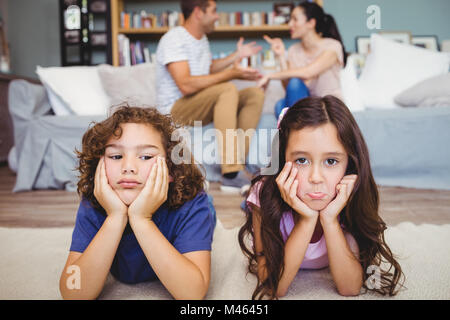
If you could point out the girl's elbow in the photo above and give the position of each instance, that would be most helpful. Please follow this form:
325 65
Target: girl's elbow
349 291
281 293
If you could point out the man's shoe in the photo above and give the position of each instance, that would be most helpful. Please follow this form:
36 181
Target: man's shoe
235 185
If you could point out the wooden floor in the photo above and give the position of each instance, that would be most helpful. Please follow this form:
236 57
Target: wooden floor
56 208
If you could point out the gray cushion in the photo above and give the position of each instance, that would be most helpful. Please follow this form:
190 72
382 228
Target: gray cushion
133 84
431 92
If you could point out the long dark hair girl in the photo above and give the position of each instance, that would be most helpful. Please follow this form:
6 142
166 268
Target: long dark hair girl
359 217
325 23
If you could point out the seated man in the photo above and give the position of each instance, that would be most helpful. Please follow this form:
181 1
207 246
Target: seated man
193 87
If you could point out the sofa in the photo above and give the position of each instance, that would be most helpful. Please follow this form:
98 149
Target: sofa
408 145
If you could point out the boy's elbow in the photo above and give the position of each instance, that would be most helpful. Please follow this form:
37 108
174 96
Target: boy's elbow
192 295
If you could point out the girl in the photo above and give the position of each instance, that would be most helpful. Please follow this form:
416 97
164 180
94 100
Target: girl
320 209
312 66
141 216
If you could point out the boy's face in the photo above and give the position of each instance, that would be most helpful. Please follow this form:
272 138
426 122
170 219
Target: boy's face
128 160
321 161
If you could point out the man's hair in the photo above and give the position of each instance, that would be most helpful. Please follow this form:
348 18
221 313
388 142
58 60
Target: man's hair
188 6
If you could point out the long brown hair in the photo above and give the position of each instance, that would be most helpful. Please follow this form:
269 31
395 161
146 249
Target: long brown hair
325 23
359 217
187 178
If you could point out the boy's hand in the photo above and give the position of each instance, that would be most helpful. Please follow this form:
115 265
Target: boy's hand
105 195
344 190
153 195
288 188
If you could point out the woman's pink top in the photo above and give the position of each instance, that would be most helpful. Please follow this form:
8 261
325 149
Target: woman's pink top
316 256
328 82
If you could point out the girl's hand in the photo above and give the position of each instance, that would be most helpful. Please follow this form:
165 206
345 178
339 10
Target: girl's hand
277 46
263 82
288 188
105 195
154 193
344 190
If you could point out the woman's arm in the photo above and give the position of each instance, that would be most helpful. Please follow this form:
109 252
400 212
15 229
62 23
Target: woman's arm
325 61
294 250
94 263
185 276
346 270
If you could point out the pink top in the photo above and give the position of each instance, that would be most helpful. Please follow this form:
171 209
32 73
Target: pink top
316 256
328 82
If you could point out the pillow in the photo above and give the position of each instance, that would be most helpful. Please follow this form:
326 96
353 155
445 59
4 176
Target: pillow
392 67
78 87
60 108
431 92
351 93
135 84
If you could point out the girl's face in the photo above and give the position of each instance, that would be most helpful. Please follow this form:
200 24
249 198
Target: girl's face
128 160
321 161
299 25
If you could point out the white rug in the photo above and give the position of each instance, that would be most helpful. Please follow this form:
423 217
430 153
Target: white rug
31 261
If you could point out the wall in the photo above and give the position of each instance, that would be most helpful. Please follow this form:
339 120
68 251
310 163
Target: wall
420 17
33 25
33 34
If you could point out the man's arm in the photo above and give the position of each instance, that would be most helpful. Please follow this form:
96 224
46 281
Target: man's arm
242 51
218 65
188 84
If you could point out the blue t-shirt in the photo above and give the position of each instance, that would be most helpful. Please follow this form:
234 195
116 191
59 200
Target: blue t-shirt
188 228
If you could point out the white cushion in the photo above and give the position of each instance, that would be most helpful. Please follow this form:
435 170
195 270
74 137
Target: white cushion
135 85
79 88
351 93
432 92
392 67
60 108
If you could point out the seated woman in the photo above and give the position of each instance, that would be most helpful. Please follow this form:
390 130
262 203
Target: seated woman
312 66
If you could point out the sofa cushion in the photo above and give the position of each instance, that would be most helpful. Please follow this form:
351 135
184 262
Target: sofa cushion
79 88
431 92
392 67
135 85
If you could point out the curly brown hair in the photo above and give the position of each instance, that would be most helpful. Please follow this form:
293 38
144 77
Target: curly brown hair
187 178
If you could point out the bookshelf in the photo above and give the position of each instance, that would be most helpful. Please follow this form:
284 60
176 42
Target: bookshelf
154 33
85 34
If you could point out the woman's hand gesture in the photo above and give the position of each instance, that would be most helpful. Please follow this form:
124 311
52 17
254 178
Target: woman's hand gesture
105 195
288 184
153 195
276 45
